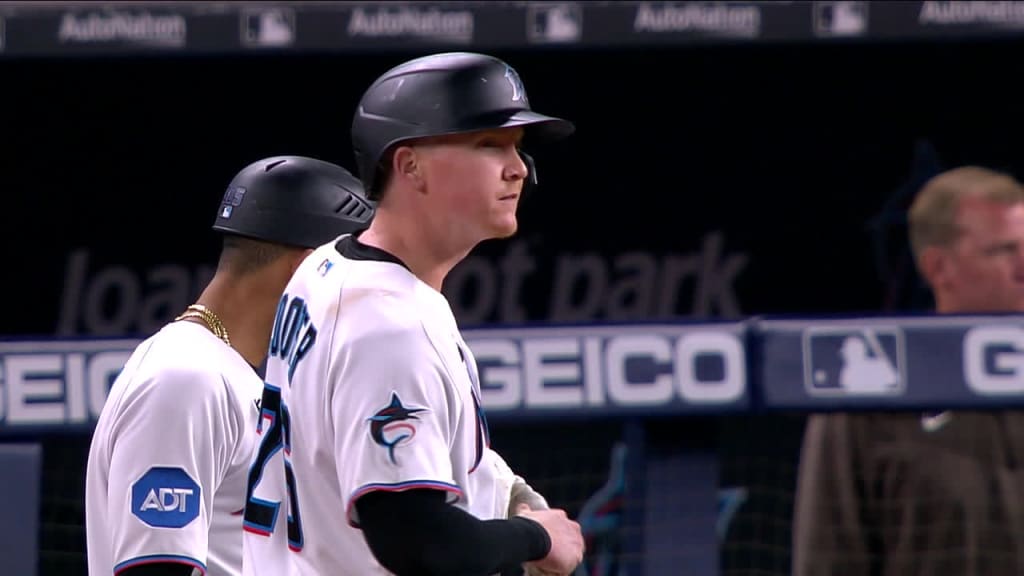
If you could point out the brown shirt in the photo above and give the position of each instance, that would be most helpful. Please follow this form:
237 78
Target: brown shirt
911 494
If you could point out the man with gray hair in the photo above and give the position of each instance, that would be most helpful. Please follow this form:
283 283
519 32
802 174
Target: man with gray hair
911 494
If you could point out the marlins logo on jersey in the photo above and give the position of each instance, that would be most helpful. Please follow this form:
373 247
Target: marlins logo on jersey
390 426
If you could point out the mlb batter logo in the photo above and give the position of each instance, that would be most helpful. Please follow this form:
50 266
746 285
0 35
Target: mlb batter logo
554 23
232 199
854 361
324 267
268 27
837 19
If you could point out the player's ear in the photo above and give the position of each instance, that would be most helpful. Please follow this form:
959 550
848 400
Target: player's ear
406 164
934 265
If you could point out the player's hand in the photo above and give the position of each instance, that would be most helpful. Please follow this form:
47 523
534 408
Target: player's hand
531 569
566 541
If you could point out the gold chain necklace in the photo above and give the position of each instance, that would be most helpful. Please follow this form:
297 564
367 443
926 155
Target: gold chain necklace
207 317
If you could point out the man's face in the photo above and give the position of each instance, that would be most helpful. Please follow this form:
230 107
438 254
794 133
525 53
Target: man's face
983 269
476 179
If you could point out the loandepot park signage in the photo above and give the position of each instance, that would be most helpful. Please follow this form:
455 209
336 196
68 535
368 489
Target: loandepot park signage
633 370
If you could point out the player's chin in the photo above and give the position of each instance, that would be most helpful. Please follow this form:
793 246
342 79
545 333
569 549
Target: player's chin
504 227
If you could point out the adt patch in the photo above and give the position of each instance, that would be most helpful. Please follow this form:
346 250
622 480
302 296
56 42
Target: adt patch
166 498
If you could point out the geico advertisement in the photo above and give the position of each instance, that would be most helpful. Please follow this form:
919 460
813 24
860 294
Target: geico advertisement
49 383
611 367
59 382
593 369
994 360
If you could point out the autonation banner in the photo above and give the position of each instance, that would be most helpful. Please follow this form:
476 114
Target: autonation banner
895 363
126 27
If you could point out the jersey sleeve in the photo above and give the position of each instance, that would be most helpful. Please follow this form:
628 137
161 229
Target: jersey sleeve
394 410
170 448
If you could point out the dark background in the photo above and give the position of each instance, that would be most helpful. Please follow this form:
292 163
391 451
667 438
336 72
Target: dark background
792 151
788 150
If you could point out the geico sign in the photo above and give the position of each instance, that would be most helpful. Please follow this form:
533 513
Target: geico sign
619 370
57 387
994 360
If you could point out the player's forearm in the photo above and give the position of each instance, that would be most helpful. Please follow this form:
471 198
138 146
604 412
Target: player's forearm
417 532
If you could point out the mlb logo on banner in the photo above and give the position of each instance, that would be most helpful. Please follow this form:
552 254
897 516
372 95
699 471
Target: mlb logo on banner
268 27
840 18
554 23
854 361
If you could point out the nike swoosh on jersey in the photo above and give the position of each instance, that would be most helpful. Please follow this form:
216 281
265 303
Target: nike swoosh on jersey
934 422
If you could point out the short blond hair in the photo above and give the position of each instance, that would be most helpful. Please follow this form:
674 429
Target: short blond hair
932 218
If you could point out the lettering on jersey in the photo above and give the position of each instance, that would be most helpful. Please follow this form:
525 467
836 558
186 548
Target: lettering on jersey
391 425
483 434
260 515
166 498
293 334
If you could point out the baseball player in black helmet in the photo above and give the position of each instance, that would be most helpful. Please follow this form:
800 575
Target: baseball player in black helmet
168 467
403 479
442 94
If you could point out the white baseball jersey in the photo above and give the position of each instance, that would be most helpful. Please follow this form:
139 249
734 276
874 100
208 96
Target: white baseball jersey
169 459
375 390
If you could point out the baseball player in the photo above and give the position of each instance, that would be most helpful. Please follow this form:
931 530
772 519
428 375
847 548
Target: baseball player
169 460
375 454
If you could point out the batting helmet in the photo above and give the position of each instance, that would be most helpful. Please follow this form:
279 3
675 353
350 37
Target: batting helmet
441 94
293 200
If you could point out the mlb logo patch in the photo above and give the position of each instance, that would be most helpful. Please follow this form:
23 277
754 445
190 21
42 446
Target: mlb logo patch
232 199
325 267
852 361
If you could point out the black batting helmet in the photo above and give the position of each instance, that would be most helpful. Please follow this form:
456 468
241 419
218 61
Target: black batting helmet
442 94
293 200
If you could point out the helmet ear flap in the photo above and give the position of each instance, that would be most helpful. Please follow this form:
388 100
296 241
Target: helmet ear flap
531 168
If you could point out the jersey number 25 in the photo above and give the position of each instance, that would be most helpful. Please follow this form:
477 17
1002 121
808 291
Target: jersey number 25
260 514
